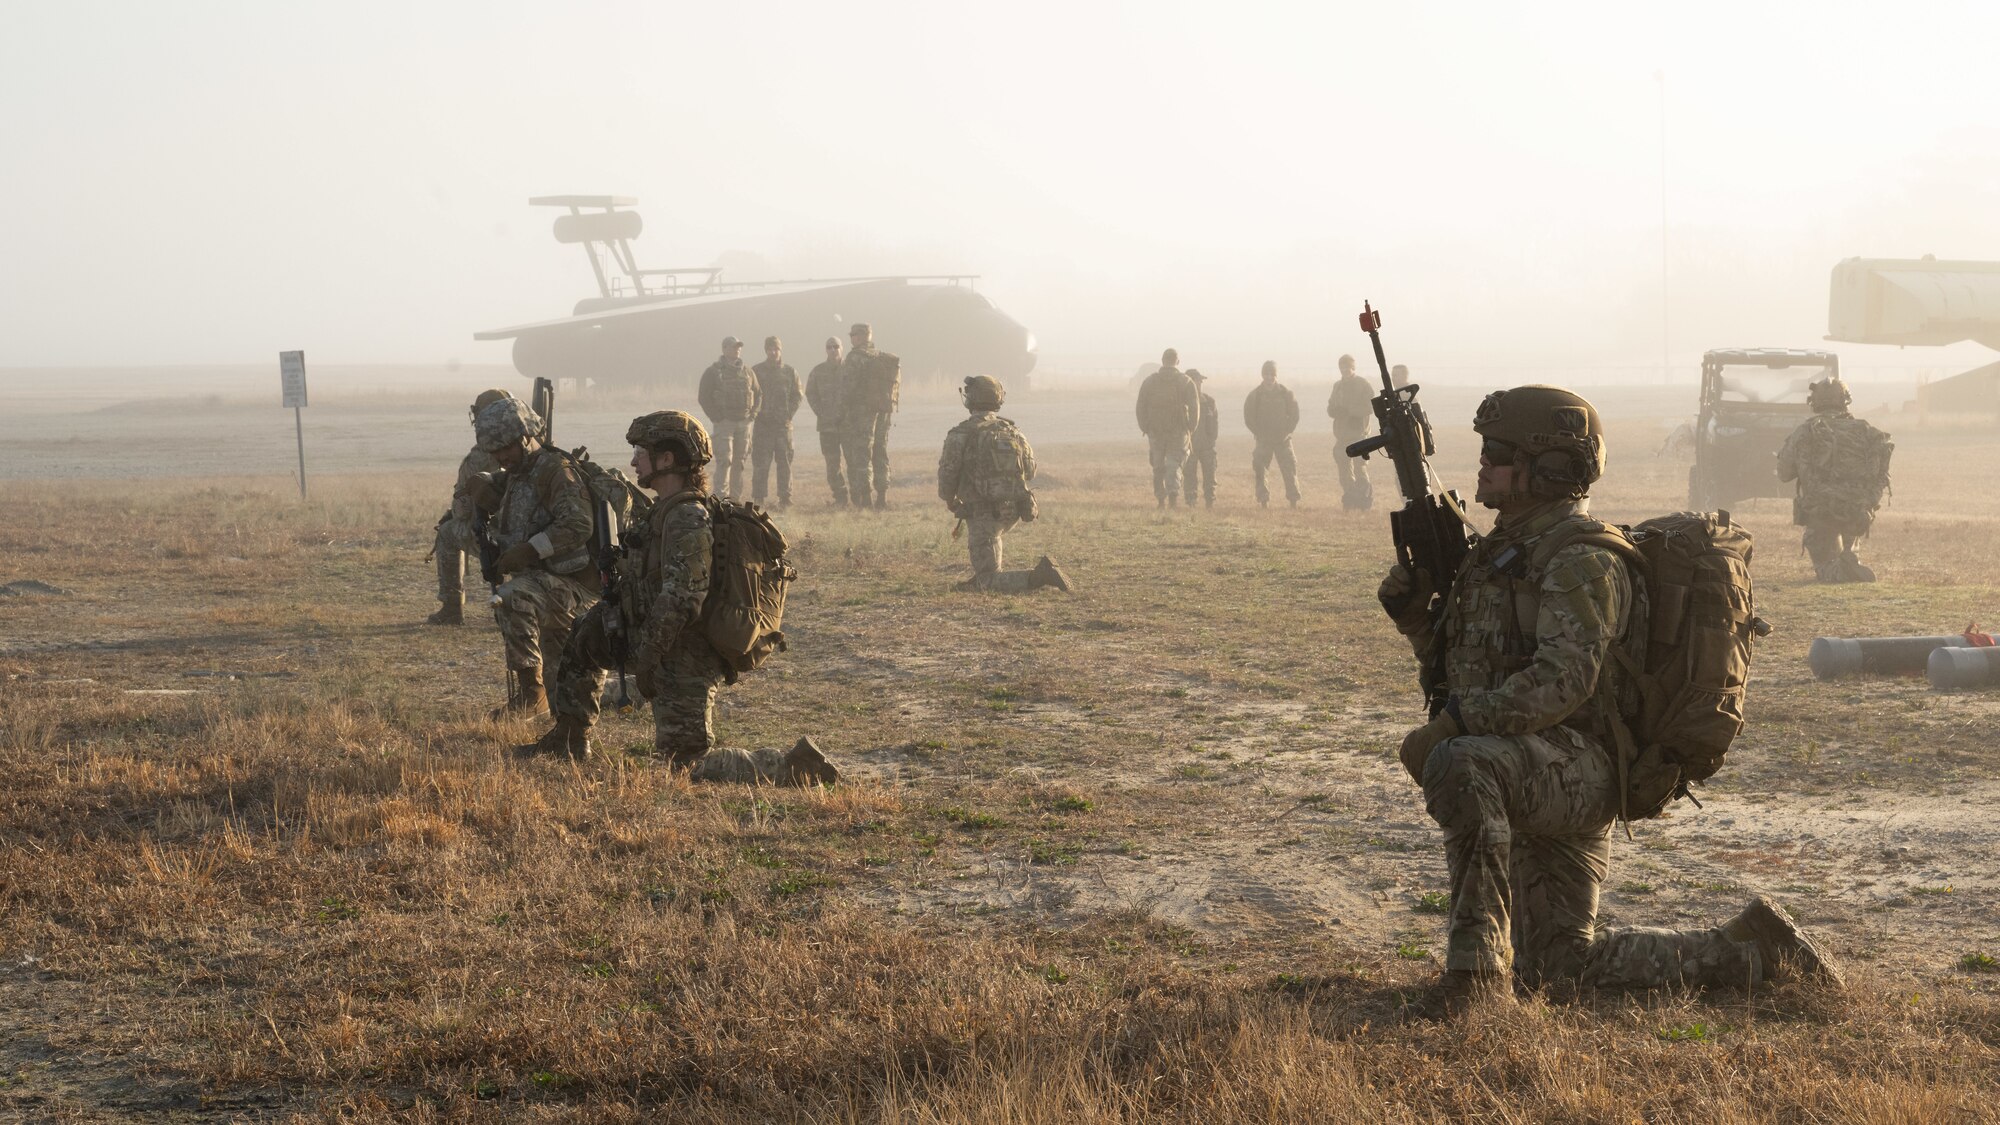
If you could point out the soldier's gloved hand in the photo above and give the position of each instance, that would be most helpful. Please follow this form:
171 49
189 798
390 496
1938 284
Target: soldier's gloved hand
517 558
1418 744
486 490
1406 598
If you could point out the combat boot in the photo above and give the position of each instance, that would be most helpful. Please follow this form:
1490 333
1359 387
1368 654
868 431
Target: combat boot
527 700
1787 951
567 739
881 501
1047 573
804 765
448 613
1458 992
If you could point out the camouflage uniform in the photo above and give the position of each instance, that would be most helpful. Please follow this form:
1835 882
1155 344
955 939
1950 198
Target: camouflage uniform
1169 411
1271 413
665 582
823 394
971 482
871 386
1201 453
544 504
771 435
1350 408
1527 795
729 395
1842 466
454 539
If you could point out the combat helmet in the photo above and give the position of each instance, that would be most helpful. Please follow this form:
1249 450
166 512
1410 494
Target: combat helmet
503 422
671 429
1829 395
487 398
1554 432
982 392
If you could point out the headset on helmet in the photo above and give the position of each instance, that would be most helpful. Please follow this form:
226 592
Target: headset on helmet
671 429
1556 432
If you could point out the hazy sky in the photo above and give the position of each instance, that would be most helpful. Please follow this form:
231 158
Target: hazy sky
210 183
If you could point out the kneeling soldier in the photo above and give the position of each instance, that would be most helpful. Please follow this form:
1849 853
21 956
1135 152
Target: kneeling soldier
1517 769
664 576
983 477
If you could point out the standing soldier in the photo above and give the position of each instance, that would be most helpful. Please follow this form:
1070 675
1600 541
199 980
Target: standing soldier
542 525
871 384
823 394
1169 411
1272 413
454 532
664 579
1842 466
983 477
1517 768
771 436
1349 407
729 396
1201 451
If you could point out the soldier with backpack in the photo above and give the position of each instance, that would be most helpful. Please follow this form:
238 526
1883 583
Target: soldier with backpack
1538 744
871 384
541 522
701 584
1842 466
454 540
983 477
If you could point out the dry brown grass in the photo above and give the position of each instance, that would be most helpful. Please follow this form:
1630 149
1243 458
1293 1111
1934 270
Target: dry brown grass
324 888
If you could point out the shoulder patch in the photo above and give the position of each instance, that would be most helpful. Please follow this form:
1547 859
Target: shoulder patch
1580 565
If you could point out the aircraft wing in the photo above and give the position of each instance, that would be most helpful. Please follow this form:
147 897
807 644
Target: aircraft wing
717 298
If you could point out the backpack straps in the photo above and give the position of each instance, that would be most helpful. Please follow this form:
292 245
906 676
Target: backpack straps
1595 533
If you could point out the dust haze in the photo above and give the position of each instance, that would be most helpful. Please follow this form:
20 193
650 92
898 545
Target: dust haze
218 182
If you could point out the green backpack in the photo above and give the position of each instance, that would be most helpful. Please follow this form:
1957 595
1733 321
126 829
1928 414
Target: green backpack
1687 662
745 611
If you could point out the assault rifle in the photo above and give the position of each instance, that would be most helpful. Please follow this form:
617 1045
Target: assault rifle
604 531
1430 531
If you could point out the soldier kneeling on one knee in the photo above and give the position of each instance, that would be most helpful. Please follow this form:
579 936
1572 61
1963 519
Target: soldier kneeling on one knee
983 477
664 575
1517 768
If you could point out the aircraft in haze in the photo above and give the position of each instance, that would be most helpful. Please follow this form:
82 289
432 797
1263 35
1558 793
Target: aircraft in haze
662 327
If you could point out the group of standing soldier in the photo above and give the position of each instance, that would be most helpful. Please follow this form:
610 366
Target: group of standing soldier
1181 422
853 398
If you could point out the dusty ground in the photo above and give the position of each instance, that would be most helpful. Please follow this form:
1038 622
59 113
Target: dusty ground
258 815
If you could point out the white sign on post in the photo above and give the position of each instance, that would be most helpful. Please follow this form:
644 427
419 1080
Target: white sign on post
292 373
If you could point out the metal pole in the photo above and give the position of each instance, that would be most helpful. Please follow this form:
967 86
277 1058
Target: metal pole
299 424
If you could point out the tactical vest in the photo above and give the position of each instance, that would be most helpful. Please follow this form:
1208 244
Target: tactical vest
735 401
